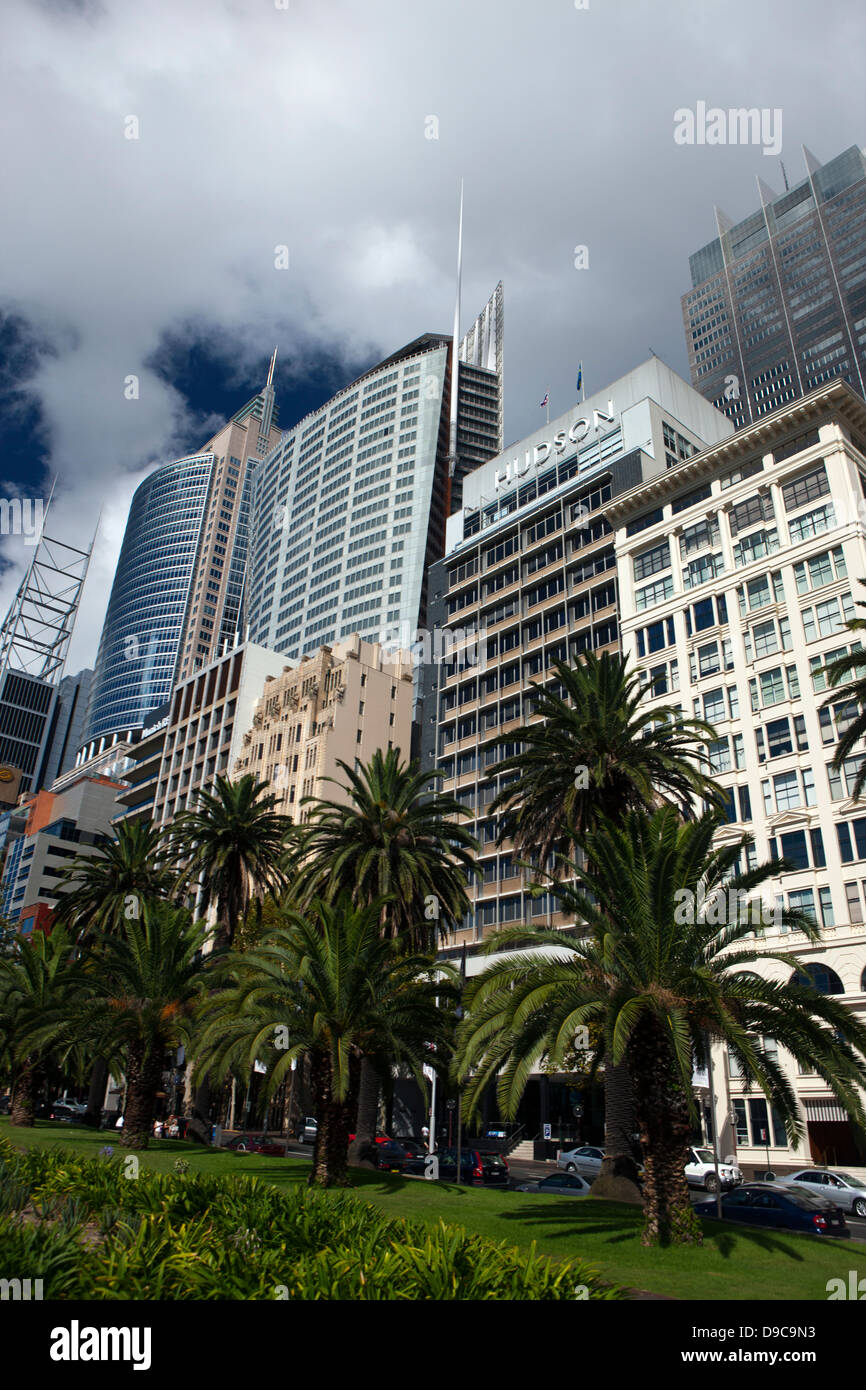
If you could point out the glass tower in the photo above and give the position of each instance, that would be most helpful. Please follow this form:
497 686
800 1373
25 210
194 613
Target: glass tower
139 645
778 300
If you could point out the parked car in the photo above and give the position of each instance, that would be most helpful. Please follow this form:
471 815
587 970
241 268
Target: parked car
67 1112
389 1153
701 1171
846 1191
586 1160
255 1144
559 1185
770 1205
476 1166
308 1130
412 1148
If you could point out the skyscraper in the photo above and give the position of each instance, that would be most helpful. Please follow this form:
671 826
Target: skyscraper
349 510
138 648
178 588
214 608
778 300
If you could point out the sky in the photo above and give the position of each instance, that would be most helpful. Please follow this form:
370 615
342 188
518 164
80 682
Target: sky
163 161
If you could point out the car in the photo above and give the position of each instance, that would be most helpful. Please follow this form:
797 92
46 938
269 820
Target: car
308 1130
559 1185
476 1166
67 1112
846 1191
255 1144
412 1148
585 1160
701 1171
388 1153
771 1205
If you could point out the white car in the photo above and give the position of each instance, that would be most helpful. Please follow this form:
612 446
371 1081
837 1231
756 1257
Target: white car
586 1160
559 1185
844 1189
701 1171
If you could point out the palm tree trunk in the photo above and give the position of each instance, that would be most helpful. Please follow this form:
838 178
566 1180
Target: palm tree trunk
24 1095
367 1118
143 1075
332 1137
96 1093
663 1120
619 1172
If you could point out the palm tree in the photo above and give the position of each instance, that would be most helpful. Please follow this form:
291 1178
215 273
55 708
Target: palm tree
117 882
108 888
230 845
39 984
143 990
326 986
396 842
665 966
393 841
597 750
851 668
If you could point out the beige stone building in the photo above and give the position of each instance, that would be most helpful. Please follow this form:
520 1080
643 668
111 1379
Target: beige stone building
342 704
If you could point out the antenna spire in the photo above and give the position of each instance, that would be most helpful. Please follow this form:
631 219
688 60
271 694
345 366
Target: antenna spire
455 344
270 379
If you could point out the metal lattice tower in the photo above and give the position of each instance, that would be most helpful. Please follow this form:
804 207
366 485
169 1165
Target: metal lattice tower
35 635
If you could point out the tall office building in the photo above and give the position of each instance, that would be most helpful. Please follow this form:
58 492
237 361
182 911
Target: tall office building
778 300
529 577
349 510
138 648
214 614
736 570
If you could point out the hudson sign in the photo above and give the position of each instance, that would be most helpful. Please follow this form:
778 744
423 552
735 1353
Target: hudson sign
541 453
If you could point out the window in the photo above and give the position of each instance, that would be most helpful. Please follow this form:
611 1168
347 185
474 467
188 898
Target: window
818 663
699 571
807 488
714 706
842 779
828 617
854 902
698 537
812 523
820 570
652 561
750 512
852 839
654 593
720 755
755 546
786 789
655 637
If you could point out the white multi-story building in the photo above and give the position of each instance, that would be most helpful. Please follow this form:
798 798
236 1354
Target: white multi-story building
738 571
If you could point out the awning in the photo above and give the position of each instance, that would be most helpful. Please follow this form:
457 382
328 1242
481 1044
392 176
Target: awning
826 1108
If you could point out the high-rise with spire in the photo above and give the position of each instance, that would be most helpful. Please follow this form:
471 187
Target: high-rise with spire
214 614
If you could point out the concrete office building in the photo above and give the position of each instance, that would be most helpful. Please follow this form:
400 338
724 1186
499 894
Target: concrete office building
737 572
528 577
208 716
349 510
58 827
778 300
340 705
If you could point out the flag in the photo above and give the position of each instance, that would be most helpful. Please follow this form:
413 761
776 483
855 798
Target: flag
579 374
546 399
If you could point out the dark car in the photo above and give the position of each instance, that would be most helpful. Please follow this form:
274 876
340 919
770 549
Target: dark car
388 1153
770 1206
255 1144
476 1166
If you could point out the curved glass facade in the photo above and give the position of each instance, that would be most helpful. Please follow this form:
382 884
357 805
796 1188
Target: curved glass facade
143 624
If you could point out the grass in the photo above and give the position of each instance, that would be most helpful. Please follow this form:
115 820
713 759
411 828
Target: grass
734 1263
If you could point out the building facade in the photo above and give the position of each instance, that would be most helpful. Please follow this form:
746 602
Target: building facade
57 828
340 705
529 577
138 649
349 510
737 573
778 300
214 619
209 713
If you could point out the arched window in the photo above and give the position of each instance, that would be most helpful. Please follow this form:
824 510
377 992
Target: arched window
821 977
863 981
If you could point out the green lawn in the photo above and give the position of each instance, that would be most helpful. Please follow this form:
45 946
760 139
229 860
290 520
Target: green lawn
732 1264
